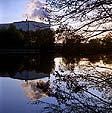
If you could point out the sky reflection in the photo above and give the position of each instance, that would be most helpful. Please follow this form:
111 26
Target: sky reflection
71 86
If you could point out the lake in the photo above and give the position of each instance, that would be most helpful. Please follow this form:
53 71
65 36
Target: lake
55 84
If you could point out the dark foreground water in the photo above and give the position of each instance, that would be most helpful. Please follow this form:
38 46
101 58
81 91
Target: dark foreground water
48 84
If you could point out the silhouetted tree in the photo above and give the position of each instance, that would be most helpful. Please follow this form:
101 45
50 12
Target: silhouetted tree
91 17
11 38
43 39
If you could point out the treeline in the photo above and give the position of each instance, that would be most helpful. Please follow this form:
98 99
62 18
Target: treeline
43 40
12 38
75 46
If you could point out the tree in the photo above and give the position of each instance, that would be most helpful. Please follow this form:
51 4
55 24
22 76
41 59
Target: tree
90 17
43 39
11 38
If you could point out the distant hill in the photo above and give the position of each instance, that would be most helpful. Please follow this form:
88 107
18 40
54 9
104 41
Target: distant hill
27 25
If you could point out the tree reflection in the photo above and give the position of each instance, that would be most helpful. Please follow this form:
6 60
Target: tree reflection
14 65
82 88
10 64
106 59
83 92
78 86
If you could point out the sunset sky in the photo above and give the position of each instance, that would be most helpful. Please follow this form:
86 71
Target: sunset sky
13 10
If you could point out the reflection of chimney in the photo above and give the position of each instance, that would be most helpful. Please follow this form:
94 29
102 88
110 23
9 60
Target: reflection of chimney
26 81
26 76
27 24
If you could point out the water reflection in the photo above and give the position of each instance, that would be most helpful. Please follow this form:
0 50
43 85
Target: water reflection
26 67
35 90
64 85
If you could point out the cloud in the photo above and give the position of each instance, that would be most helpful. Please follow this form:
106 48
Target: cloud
36 9
35 4
40 13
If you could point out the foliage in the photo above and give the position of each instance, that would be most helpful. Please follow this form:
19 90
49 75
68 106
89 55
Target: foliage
43 38
11 38
73 45
76 46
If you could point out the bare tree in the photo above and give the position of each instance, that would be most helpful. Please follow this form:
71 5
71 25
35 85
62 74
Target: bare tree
91 16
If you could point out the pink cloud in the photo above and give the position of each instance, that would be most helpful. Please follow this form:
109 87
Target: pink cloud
36 9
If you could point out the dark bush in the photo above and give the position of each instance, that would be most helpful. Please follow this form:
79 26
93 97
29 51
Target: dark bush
11 38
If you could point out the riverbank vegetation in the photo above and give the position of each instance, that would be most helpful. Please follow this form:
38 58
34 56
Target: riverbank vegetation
91 21
78 46
44 40
11 38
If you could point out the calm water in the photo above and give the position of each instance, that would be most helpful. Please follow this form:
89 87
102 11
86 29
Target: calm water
48 84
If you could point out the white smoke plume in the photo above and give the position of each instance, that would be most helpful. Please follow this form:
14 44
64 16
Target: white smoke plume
37 10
